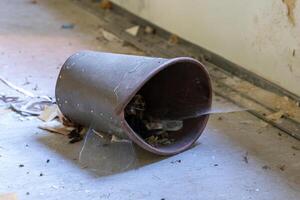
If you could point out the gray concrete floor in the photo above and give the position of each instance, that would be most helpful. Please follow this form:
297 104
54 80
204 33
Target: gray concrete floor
237 157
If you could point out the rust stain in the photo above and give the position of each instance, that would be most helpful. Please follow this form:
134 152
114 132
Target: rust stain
290 4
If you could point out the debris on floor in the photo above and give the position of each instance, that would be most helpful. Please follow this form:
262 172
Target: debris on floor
56 127
173 39
8 99
68 26
106 4
77 134
109 36
276 116
49 113
133 30
156 132
149 30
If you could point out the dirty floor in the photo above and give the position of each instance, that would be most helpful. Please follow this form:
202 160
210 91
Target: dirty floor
237 157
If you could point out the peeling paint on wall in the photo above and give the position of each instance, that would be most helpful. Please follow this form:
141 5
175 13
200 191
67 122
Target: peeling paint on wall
290 4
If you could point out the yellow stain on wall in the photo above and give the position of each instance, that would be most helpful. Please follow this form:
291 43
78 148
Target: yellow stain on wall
290 4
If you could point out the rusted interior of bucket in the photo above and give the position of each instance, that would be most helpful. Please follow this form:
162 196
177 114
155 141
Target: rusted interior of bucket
182 93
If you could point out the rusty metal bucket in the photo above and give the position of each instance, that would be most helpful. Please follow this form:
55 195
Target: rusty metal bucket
94 88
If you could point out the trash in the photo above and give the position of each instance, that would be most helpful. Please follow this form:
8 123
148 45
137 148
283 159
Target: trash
8 196
159 140
56 127
34 106
18 89
149 30
49 113
165 125
68 26
76 135
135 102
110 37
133 30
106 5
173 39
9 99
117 139
172 125
154 125
136 106
275 116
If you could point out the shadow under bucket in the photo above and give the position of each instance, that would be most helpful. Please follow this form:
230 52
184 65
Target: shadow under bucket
145 99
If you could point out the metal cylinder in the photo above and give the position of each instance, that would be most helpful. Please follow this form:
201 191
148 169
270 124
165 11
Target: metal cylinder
94 88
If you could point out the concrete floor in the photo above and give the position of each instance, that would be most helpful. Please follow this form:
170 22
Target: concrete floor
237 157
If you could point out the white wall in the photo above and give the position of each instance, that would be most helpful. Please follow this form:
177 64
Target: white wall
256 34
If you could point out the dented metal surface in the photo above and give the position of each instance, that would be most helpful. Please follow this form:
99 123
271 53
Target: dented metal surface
93 89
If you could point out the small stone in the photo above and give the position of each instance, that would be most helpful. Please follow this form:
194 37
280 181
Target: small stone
21 165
